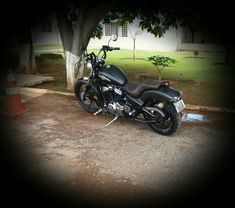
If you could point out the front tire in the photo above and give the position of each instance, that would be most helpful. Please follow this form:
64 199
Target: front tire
167 125
86 97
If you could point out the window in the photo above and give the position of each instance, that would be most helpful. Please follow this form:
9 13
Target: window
46 25
107 30
124 30
111 29
114 28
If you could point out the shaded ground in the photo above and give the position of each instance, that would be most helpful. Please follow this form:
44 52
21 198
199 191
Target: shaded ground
55 68
66 155
28 80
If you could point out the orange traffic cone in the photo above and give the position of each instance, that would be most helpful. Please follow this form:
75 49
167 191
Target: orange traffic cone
14 105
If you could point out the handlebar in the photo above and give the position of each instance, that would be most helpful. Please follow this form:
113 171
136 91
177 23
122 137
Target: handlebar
94 59
109 48
90 57
116 48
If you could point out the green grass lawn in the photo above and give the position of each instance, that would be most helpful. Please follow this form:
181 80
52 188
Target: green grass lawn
202 80
201 69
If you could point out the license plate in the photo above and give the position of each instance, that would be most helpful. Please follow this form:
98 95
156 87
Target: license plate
179 105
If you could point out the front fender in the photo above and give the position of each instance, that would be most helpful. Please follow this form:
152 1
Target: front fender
163 94
81 80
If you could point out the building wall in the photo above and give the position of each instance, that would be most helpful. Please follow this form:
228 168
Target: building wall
41 37
173 39
144 40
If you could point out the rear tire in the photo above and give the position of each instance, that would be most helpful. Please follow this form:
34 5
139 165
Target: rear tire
169 124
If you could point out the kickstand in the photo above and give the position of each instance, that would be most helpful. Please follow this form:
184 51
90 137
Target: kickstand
116 117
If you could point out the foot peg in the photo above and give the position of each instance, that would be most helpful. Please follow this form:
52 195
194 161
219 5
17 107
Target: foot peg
116 117
97 112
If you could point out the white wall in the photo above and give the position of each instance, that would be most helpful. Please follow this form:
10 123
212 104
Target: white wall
144 41
171 41
41 38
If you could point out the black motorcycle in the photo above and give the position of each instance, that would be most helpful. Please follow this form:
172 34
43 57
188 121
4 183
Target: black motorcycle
107 90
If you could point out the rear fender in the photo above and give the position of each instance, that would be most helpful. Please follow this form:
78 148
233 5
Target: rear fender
163 94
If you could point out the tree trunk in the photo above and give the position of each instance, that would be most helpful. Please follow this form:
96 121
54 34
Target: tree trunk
24 54
71 65
27 63
75 34
66 35
159 75
134 49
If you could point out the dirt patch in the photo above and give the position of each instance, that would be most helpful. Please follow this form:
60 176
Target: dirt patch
70 150
55 68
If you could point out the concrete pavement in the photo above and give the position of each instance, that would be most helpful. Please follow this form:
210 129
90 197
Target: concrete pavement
28 80
126 162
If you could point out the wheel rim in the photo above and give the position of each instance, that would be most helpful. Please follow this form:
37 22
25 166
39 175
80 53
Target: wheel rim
161 122
88 98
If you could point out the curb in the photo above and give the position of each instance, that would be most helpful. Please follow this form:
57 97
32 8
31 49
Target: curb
209 108
28 90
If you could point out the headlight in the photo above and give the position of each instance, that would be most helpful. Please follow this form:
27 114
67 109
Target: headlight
89 66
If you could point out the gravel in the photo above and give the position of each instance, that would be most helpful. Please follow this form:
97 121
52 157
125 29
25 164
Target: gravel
67 146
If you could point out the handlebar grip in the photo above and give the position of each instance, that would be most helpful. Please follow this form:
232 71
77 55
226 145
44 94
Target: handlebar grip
105 47
109 48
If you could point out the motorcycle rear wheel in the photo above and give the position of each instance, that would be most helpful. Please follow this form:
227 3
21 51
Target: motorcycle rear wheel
167 125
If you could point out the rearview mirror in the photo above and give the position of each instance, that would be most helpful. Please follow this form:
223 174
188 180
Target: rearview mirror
114 37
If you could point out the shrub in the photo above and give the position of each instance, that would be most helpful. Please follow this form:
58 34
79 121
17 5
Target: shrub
196 53
161 62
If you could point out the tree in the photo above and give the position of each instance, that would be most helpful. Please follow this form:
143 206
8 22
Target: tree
134 32
77 24
27 63
161 62
77 21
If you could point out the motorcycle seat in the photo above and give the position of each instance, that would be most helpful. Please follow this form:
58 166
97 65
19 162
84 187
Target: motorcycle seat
136 89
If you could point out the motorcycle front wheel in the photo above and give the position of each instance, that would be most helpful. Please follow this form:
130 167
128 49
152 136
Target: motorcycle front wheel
164 125
86 97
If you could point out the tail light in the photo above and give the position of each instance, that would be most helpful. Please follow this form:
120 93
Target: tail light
166 83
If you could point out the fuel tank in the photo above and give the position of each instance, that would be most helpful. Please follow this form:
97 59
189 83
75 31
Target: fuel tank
112 73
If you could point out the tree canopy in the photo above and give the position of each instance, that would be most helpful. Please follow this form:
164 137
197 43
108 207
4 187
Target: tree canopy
78 21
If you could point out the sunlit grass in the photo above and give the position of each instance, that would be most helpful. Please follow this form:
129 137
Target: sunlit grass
201 69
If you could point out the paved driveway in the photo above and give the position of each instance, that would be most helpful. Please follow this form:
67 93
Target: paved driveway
70 151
